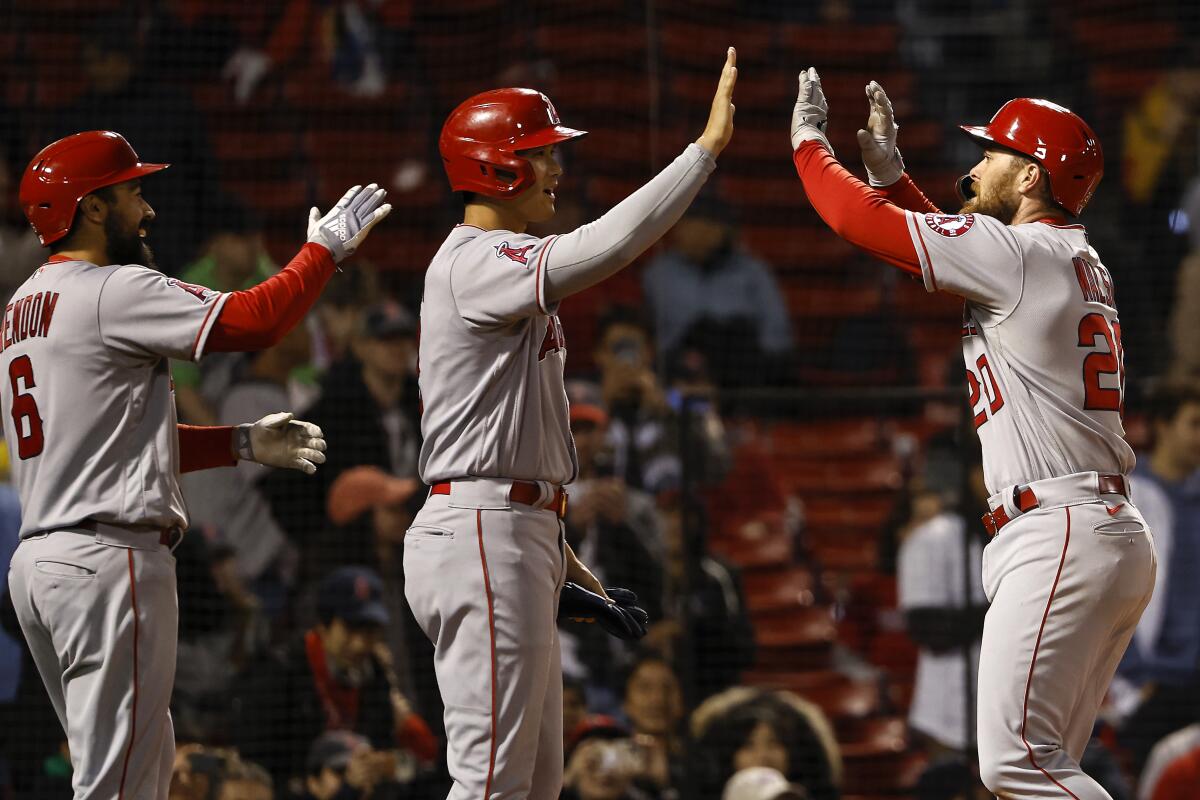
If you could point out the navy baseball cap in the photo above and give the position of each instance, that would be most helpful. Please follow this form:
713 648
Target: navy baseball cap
388 320
353 595
334 749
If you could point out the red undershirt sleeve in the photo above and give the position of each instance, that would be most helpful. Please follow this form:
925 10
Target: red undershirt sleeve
414 734
855 211
906 194
258 318
205 448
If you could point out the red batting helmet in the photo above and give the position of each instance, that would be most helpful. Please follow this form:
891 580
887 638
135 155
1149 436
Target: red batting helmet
1056 138
77 165
481 138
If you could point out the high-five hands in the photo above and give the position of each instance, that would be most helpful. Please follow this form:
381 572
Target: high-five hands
281 440
811 113
344 227
877 141
719 129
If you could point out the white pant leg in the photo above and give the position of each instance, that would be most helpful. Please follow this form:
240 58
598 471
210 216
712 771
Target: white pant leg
483 585
1065 594
109 669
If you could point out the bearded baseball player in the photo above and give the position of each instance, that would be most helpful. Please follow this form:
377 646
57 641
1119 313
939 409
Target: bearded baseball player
89 418
485 559
1071 563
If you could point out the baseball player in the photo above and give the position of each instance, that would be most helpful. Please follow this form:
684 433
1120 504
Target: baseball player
89 416
485 558
1071 563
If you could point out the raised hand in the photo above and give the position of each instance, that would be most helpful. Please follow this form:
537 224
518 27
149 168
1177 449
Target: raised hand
280 440
810 115
719 129
345 226
877 141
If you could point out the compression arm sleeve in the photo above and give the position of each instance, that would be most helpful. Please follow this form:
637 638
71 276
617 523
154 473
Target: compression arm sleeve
258 318
205 448
593 252
855 211
906 194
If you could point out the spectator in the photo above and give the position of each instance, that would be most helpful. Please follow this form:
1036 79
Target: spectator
233 259
210 773
950 778
338 676
1173 769
654 707
575 708
20 251
370 406
121 97
714 607
742 729
221 630
1185 342
614 529
602 763
641 427
343 766
705 283
932 566
1162 662
382 500
231 500
761 783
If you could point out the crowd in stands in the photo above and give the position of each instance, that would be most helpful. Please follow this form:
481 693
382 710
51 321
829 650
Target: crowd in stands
811 566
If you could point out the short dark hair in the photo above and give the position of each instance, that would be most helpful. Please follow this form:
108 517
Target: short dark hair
106 193
623 315
1168 396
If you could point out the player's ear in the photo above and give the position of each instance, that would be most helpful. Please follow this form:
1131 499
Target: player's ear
93 208
1032 178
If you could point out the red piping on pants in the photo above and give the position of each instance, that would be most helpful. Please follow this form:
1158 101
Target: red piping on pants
487 589
133 721
1025 707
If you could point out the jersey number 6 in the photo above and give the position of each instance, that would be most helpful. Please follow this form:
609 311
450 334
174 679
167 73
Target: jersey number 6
24 409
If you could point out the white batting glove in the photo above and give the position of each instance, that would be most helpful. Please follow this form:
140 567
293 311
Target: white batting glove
877 141
811 114
278 440
343 229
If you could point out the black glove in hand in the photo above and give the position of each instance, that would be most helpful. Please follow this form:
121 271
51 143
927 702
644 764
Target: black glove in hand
622 617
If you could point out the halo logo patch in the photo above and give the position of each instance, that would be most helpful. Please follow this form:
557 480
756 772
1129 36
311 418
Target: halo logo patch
950 225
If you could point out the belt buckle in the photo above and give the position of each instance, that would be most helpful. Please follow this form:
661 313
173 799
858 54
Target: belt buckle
562 504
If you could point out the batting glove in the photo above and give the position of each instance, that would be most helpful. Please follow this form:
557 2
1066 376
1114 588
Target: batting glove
811 114
278 440
878 140
622 617
343 229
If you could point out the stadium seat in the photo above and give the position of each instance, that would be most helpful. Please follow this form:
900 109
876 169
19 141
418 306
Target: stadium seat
779 590
571 44
844 45
882 773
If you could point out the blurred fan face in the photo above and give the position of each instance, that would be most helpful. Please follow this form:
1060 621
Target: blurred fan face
537 203
995 180
603 770
699 238
589 440
574 708
349 647
1180 437
236 256
390 356
762 749
244 790
653 699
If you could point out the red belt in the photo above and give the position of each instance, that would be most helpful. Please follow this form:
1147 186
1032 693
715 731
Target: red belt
1025 501
524 492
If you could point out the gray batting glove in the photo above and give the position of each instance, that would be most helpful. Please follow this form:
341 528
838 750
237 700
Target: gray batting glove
278 440
877 141
343 229
810 116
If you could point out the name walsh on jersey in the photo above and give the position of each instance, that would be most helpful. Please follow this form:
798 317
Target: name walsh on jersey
28 317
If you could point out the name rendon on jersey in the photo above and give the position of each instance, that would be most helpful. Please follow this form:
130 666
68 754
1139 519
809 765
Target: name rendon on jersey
30 316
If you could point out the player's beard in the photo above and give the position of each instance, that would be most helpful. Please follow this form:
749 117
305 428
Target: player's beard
127 247
998 198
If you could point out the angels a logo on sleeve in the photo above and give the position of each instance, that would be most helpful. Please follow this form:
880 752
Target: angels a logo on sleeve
201 293
950 225
517 254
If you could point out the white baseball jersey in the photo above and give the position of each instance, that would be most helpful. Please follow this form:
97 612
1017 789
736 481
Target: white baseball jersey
89 410
492 355
1041 340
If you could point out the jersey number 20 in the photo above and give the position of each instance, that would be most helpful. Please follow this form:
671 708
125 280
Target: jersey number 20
27 422
1092 328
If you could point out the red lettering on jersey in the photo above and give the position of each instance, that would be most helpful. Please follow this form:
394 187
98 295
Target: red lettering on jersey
1094 281
47 313
22 313
517 254
8 326
554 339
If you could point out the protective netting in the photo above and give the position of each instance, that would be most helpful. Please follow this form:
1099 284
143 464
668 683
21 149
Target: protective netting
774 450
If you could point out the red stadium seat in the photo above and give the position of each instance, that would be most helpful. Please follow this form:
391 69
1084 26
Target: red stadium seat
846 45
571 44
700 46
882 772
836 438
779 590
